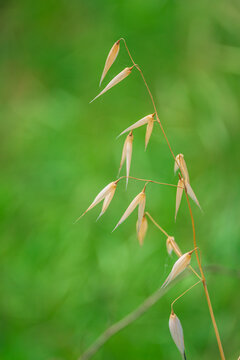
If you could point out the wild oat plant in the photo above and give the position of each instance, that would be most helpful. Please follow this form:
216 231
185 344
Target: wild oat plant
139 201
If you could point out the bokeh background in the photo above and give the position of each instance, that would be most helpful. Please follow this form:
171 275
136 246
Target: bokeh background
62 284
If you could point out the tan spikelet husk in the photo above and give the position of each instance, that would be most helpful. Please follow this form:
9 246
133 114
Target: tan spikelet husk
127 154
141 209
103 194
142 230
137 124
149 131
107 200
122 75
169 245
135 202
176 331
173 246
176 164
179 195
179 266
180 163
112 55
192 194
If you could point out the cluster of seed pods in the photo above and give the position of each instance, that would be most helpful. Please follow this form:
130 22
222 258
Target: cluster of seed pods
107 193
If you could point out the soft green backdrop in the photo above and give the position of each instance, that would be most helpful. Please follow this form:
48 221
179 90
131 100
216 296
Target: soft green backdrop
61 284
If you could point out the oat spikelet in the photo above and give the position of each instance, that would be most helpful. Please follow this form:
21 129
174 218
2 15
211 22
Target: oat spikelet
176 331
137 124
179 195
142 230
192 194
173 246
122 75
179 266
180 163
127 155
149 130
106 194
112 55
139 201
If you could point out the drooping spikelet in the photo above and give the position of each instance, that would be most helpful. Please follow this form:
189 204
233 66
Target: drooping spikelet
127 155
176 331
142 230
179 195
179 266
140 201
172 246
105 194
149 119
122 75
112 55
185 182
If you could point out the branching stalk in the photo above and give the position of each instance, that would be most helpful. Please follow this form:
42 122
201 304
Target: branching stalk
191 215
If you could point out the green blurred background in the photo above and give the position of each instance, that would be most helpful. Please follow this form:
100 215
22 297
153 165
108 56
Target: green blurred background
62 284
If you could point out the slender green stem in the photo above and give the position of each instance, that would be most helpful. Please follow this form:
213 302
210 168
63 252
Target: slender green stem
184 294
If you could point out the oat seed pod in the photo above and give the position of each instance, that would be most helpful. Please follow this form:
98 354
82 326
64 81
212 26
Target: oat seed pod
149 130
112 55
180 163
139 201
127 155
176 331
192 194
142 230
141 122
173 246
179 266
122 75
106 194
179 195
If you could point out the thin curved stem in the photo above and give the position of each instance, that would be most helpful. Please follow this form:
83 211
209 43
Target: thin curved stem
204 282
186 291
165 233
191 215
156 224
147 181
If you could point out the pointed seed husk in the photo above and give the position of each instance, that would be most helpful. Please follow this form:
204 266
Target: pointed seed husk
142 230
180 163
176 331
192 194
179 195
122 75
173 246
138 200
179 266
107 190
112 55
137 124
149 131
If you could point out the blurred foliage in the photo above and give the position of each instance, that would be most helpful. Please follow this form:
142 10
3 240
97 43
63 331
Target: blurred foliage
62 284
